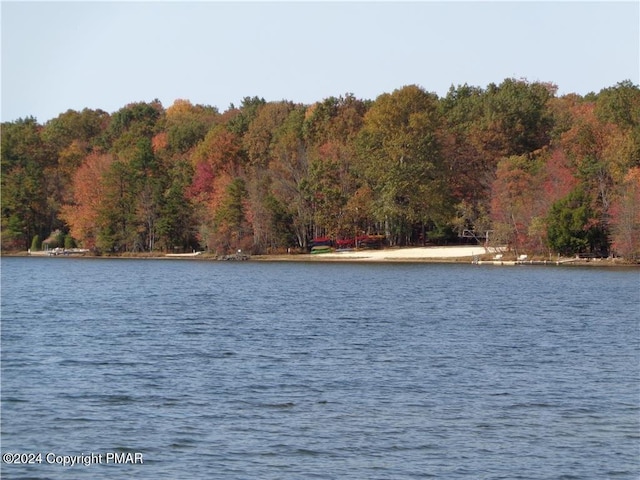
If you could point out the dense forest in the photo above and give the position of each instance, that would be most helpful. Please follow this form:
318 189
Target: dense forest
510 164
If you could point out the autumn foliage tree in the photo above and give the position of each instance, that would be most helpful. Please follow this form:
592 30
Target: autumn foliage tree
84 213
400 161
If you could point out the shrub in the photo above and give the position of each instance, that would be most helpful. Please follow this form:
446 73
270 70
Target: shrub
36 244
69 242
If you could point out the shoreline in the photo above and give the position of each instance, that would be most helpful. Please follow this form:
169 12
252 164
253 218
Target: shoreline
450 254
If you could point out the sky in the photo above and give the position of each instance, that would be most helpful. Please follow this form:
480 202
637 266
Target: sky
58 56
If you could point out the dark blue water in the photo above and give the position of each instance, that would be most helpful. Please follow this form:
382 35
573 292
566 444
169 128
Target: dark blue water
328 371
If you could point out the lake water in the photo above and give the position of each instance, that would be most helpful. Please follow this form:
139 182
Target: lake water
255 370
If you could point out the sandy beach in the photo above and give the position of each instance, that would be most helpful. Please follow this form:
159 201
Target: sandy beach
408 254
415 253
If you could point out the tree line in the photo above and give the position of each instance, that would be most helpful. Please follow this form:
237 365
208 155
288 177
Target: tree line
510 164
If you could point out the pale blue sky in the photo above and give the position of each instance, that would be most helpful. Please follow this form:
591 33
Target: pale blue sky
58 56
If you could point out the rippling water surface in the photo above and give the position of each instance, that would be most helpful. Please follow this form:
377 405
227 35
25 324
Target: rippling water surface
329 371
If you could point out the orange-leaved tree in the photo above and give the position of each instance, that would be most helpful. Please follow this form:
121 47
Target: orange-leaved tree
83 215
